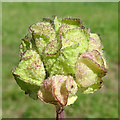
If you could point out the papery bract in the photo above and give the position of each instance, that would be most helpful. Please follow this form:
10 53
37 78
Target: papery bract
58 56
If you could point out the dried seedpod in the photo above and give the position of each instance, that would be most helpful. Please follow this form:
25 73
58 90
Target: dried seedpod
58 58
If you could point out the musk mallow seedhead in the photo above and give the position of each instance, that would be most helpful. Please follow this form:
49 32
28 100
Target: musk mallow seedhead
58 58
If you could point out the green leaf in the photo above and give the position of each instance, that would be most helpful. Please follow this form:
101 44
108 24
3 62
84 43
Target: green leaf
93 88
57 23
62 25
30 89
42 33
76 22
84 75
49 61
69 23
62 67
76 36
43 28
41 41
88 68
95 62
71 53
51 48
27 44
30 70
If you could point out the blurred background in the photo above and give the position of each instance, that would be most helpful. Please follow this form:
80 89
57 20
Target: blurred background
102 18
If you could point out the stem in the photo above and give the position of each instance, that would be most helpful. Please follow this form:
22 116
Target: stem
59 112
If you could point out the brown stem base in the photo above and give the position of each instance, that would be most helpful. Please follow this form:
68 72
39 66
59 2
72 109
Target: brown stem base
59 112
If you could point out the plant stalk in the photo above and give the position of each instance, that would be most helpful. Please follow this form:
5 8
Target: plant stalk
59 112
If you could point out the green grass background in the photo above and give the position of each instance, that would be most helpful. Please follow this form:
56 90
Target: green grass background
102 18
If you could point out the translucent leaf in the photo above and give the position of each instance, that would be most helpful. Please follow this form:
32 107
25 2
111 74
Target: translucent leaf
95 62
42 33
76 36
71 53
71 100
41 41
84 75
30 70
95 43
27 44
105 62
52 48
45 92
57 23
93 88
62 25
50 54
49 61
72 21
43 28
48 20
60 50
95 56
63 87
69 23
89 66
62 67
56 89
59 90
71 86
29 88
